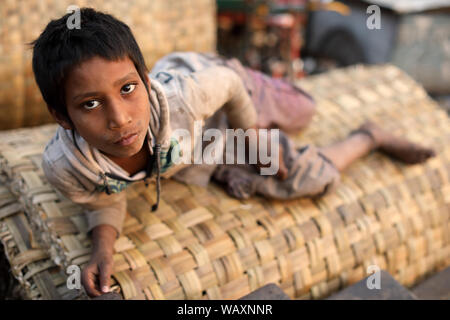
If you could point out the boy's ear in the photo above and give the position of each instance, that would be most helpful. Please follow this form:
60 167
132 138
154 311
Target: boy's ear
60 119
147 80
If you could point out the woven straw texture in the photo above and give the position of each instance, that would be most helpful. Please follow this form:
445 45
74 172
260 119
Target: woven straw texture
159 26
202 244
38 276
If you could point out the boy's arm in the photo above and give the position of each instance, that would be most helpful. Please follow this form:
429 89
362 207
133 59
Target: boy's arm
107 210
101 209
208 90
105 215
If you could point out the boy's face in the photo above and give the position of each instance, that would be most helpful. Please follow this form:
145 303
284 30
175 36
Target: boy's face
108 105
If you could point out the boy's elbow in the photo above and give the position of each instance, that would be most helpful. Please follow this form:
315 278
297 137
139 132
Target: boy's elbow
307 111
310 110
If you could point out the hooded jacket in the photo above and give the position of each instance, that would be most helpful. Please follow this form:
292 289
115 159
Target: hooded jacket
185 87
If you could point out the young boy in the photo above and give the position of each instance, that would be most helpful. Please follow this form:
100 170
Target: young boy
117 123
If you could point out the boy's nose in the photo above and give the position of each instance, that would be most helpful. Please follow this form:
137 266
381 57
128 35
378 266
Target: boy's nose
118 115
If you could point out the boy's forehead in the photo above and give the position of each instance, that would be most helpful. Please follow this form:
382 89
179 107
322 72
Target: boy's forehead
97 70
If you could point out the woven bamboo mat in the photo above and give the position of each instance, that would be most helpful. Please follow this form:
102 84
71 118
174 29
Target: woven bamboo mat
30 263
202 244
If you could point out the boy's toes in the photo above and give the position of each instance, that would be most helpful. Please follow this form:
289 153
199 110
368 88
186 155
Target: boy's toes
428 153
421 155
240 188
431 153
282 173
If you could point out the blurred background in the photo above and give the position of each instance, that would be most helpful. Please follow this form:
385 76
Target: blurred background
296 38
284 38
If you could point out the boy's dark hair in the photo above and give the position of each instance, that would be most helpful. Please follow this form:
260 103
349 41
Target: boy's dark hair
58 49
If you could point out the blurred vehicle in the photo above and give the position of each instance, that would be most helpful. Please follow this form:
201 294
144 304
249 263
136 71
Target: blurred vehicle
294 38
342 40
410 6
414 35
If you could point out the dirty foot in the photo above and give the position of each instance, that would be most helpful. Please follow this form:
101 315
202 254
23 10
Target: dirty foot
240 188
237 184
396 147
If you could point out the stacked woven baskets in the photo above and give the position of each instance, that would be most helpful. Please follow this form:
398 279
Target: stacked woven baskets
37 274
160 27
201 244
39 277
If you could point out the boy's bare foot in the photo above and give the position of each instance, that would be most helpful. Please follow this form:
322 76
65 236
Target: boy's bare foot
237 185
396 147
240 187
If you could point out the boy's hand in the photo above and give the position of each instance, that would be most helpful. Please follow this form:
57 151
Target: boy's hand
97 273
282 172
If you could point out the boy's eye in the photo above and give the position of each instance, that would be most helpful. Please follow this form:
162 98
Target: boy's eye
128 88
91 104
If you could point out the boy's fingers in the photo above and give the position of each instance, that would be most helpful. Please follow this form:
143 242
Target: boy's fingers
105 275
88 279
282 174
89 285
282 171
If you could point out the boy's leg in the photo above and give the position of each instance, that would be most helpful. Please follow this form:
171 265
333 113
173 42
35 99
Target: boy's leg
344 152
363 140
370 137
309 173
279 103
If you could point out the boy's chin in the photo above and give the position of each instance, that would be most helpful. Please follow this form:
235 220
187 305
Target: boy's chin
117 151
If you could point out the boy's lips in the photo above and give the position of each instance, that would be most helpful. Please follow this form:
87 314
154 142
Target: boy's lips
126 139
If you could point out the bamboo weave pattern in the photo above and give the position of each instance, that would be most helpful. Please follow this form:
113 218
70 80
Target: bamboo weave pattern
202 244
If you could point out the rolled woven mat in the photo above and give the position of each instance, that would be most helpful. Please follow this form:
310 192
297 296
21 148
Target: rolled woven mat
159 26
202 244
38 276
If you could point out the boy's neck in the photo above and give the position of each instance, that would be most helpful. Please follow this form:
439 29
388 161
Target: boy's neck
135 163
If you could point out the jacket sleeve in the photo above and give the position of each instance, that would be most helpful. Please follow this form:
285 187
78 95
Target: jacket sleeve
208 90
100 208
